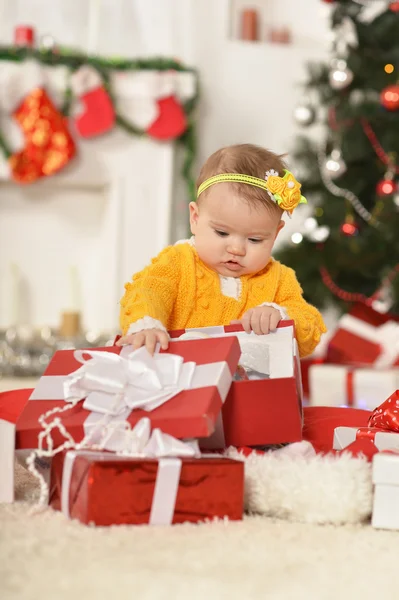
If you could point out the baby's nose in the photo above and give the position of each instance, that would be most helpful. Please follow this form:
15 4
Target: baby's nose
237 249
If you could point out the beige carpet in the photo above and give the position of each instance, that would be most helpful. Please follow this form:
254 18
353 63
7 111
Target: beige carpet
45 557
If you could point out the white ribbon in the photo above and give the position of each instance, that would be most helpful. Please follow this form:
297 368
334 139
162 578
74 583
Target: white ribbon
112 383
143 445
386 335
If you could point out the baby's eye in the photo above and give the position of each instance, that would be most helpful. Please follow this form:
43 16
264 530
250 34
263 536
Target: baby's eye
221 233
255 240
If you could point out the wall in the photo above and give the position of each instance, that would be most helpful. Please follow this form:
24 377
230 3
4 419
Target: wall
248 90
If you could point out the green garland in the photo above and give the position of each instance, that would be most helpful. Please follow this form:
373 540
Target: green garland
74 60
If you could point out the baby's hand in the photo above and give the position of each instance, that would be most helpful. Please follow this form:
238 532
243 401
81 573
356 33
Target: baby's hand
147 338
260 320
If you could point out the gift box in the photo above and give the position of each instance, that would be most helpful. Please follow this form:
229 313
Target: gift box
383 440
365 337
11 406
180 390
263 411
339 385
386 490
305 364
106 489
382 427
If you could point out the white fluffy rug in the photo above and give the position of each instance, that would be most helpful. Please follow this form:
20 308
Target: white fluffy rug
323 489
46 557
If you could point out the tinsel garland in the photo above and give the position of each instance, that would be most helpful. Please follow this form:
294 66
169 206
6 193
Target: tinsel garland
74 60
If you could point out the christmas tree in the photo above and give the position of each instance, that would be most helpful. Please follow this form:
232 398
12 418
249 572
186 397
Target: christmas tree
349 247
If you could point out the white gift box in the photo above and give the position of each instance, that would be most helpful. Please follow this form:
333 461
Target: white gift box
383 440
341 385
386 490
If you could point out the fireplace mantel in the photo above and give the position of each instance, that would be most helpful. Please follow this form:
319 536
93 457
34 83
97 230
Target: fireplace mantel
106 214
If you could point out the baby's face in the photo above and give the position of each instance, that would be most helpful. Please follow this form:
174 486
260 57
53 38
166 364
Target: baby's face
232 237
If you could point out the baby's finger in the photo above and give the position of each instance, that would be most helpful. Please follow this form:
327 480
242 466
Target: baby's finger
246 321
138 340
124 340
265 322
255 322
150 341
163 340
275 319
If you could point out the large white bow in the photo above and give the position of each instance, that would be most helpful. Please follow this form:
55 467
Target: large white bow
112 383
141 443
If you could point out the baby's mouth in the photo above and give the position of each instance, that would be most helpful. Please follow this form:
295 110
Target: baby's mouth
232 264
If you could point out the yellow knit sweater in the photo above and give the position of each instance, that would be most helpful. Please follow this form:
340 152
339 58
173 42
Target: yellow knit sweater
179 290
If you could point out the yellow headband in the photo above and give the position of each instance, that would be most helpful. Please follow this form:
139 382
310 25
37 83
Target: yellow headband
284 191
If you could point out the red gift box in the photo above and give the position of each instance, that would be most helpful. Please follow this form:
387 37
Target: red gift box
11 406
104 489
264 411
365 337
190 413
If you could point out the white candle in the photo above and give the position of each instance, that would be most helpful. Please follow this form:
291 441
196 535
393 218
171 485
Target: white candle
74 290
14 295
93 23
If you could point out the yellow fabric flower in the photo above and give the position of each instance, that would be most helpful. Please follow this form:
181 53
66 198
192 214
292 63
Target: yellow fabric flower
286 191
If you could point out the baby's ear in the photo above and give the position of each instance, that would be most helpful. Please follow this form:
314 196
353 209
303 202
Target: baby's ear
194 213
280 226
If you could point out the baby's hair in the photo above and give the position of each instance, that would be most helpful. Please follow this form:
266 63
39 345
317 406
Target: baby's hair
246 159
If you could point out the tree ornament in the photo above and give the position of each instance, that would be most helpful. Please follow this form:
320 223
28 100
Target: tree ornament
394 7
396 199
349 228
386 187
340 76
304 113
335 165
389 97
47 42
344 193
320 234
297 237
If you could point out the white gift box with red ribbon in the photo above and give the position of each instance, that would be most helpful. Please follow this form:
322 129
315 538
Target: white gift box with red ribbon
339 385
383 440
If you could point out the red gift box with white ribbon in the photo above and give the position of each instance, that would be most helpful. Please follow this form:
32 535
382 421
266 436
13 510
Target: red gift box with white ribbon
168 482
365 337
94 392
259 411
